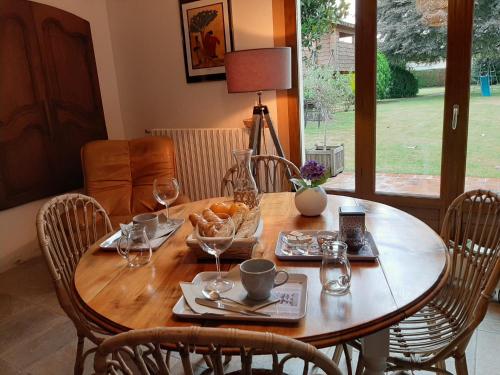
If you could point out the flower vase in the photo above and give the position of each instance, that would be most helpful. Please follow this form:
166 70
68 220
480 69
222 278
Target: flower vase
311 201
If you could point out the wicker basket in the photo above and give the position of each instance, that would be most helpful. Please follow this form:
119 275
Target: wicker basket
242 248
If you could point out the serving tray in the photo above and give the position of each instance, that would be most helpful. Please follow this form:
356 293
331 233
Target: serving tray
163 232
368 252
290 308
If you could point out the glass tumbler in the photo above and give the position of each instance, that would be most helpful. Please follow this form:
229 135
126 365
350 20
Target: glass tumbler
335 272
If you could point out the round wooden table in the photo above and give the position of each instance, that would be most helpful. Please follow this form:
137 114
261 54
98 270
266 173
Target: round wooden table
412 267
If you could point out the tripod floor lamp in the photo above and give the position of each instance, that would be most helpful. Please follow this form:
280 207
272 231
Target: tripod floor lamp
257 70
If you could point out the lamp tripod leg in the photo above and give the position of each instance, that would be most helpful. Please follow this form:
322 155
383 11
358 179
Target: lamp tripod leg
274 136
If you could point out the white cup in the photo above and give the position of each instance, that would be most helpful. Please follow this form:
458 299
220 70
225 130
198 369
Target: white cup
258 277
149 221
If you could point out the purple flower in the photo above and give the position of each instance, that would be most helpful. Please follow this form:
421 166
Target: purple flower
313 171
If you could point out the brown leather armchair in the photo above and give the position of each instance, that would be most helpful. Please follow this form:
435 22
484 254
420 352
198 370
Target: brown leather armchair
119 174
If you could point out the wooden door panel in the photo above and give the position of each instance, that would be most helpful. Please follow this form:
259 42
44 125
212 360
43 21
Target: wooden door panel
25 157
73 88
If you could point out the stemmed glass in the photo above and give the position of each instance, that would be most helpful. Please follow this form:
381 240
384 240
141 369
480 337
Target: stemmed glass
215 237
166 191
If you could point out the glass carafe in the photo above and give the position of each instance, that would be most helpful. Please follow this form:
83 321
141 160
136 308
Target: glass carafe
134 246
245 188
335 270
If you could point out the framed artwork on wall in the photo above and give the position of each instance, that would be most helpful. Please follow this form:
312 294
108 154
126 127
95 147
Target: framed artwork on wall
207 35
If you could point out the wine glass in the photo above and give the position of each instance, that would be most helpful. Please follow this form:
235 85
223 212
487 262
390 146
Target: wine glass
165 191
215 237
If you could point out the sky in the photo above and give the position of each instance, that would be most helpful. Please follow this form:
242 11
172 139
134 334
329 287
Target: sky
350 16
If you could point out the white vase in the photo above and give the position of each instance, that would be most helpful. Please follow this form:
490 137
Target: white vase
311 201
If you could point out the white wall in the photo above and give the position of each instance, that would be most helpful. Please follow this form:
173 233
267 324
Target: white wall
17 225
147 46
138 50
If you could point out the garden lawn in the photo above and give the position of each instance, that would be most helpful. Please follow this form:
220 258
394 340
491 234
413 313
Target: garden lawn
409 134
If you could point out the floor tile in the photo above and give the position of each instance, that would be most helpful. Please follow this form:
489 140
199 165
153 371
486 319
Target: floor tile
491 322
11 305
8 369
40 345
26 325
487 358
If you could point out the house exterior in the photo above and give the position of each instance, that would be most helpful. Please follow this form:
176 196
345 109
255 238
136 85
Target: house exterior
337 48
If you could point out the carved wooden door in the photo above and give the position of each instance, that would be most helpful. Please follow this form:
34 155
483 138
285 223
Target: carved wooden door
26 158
47 63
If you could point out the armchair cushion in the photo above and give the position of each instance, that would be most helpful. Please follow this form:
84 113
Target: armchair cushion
119 174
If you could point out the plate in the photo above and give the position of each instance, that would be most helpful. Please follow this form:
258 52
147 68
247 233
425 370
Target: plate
163 232
368 252
290 308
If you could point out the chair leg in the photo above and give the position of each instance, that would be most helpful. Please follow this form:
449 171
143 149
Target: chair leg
337 354
79 356
461 365
441 365
360 366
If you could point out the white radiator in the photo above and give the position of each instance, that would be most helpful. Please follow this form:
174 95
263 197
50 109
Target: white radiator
204 155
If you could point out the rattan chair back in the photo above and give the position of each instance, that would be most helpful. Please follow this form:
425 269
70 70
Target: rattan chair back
272 175
471 229
443 328
144 347
67 225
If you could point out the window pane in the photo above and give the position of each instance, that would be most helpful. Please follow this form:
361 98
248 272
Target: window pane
483 141
410 97
328 82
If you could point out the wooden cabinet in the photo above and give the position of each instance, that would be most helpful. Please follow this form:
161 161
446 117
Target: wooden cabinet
50 102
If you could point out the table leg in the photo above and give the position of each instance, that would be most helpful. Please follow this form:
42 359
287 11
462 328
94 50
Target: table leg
375 352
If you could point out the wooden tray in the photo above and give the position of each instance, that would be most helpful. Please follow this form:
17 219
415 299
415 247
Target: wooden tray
291 308
368 252
242 248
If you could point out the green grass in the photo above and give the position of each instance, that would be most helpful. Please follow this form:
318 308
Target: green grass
409 134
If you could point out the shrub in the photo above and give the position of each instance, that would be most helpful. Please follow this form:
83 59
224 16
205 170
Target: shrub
329 90
383 76
403 83
430 77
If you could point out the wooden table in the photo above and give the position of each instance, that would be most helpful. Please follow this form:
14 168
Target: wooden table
412 268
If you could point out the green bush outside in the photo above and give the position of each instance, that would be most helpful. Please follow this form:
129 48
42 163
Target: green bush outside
403 83
430 77
383 76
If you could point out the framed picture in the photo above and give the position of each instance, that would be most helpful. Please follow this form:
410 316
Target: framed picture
207 36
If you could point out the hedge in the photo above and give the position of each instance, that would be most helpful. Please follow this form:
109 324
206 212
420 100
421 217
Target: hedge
403 83
430 77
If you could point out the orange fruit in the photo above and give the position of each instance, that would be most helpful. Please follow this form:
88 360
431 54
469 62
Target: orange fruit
221 208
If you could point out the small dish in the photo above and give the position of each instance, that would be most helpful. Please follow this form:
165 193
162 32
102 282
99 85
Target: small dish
296 243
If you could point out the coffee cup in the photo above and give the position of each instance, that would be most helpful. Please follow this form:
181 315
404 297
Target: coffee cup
149 221
258 277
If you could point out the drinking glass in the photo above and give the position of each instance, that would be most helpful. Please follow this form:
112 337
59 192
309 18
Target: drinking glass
134 246
335 273
215 237
166 191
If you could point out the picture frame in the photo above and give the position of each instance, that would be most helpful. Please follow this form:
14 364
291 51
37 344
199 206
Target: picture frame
207 35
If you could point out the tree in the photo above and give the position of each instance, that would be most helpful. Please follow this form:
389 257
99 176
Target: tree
318 17
200 21
404 37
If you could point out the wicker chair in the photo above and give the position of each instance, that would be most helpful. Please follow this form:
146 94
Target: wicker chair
443 328
140 344
272 174
67 225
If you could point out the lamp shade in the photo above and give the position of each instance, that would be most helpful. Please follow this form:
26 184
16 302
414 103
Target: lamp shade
259 69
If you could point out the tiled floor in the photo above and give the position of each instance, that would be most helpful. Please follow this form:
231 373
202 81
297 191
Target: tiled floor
410 184
37 338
